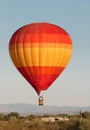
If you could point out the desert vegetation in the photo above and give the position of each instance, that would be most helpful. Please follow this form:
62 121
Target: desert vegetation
14 121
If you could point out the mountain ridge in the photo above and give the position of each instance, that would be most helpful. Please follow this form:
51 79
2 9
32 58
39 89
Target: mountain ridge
24 108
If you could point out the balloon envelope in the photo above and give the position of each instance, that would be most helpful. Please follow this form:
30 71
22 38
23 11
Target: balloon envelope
40 52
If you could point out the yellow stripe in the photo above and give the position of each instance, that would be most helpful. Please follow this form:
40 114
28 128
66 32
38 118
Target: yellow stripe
41 56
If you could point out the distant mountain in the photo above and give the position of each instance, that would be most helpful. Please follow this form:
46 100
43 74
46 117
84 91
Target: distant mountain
27 109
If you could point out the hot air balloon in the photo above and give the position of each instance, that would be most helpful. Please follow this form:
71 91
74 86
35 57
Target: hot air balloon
40 52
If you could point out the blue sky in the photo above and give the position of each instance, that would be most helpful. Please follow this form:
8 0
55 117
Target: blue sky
72 88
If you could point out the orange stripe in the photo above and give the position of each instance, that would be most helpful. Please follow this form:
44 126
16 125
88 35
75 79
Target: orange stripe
30 45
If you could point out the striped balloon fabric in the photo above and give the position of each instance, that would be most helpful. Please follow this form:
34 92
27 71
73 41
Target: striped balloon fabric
40 52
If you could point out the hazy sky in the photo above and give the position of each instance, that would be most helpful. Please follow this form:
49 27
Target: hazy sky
72 88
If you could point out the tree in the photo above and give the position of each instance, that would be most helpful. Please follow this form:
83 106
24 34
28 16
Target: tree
86 115
12 114
2 116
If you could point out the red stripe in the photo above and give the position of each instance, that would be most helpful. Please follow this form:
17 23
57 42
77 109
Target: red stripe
40 33
40 70
39 81
41 28
41 38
